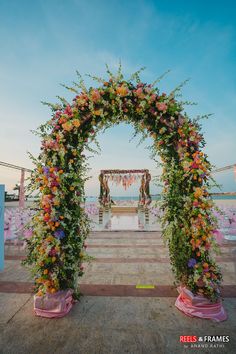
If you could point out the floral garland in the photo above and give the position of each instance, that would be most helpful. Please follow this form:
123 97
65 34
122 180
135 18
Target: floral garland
57 247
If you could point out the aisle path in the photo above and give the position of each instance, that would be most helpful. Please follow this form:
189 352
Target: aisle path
112 316
121 260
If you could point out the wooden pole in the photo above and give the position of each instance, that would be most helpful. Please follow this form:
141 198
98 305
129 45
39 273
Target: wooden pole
2 201
22 190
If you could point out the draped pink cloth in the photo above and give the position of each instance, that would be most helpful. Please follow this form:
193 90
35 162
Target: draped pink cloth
53 305
219 237
199 306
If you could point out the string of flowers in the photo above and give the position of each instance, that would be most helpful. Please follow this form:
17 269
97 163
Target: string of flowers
56 249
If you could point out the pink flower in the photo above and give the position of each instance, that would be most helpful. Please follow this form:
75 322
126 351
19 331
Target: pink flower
28 233
161 106
68 111
58 114
53 252
153 97
194 165
139 91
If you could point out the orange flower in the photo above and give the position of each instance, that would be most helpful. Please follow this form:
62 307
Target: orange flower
95 95
122 90
61 120
205 265
45 272
39 280
198 193
67 126
76 123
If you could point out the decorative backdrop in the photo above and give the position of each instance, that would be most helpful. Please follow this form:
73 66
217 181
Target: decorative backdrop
56 249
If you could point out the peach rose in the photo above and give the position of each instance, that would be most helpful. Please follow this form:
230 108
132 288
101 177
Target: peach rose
161 106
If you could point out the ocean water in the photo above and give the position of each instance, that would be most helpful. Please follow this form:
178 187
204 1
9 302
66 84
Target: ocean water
136 198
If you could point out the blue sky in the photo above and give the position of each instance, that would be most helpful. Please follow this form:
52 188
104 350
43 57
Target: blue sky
43 43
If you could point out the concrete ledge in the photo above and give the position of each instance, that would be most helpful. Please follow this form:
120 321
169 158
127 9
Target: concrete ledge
228 291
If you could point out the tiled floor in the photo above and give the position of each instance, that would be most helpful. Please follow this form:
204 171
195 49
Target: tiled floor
113 316
123 258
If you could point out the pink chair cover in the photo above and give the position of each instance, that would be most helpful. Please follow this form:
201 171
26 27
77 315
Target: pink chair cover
53 305
218 236
199 306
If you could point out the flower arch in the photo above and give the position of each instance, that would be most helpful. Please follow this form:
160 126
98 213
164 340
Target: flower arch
60 227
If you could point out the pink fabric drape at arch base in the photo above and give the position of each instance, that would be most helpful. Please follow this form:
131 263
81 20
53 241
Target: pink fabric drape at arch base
198 306
53 305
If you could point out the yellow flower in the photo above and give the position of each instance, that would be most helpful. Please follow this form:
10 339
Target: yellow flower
97 112
49 238
54 259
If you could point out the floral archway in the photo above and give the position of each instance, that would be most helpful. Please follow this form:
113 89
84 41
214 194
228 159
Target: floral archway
60 227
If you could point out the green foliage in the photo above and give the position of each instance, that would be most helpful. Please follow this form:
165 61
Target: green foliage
56 250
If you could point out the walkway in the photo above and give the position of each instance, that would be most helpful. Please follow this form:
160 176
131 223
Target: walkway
113 316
